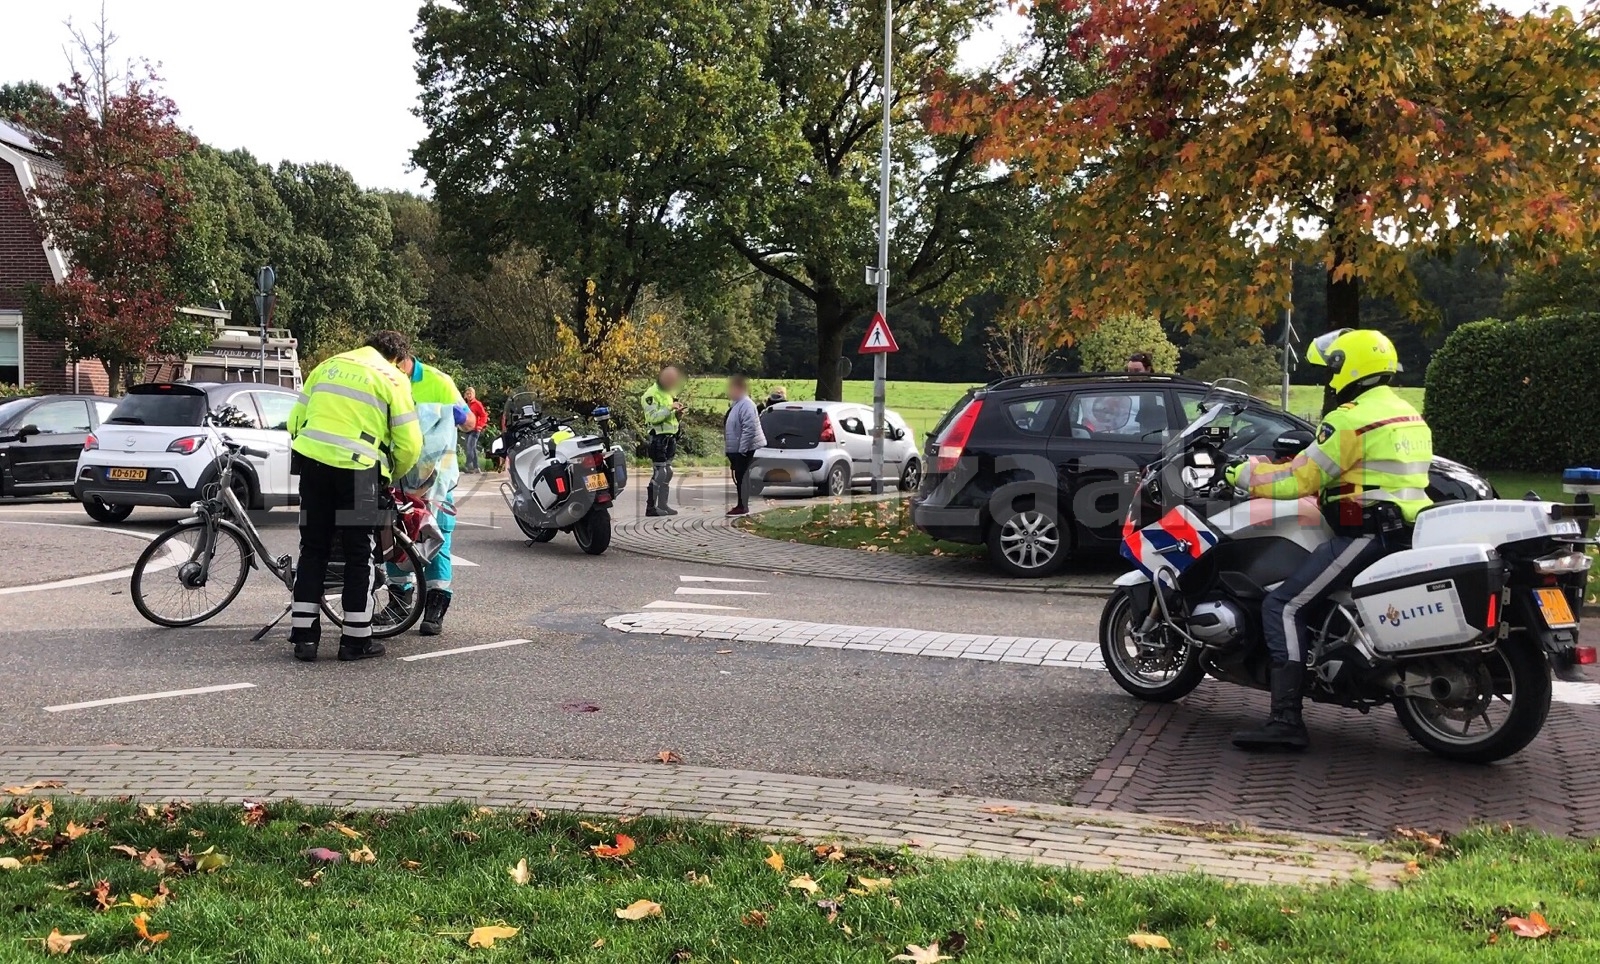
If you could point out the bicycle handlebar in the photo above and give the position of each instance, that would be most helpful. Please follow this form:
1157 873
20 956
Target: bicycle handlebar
256 453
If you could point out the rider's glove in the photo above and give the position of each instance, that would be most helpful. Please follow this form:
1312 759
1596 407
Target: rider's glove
1233 472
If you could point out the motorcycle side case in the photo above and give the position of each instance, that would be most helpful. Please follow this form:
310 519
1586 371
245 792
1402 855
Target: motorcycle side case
552 485
1432 598
619 467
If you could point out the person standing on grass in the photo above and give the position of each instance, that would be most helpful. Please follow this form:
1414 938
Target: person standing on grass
742 435
479 419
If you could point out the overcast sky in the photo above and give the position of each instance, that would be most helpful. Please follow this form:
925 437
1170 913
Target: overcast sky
301 80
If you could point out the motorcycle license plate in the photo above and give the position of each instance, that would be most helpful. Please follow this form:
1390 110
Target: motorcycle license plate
595 482
127 475
1554 608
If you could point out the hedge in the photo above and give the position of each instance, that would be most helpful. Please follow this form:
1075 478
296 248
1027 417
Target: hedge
1521 395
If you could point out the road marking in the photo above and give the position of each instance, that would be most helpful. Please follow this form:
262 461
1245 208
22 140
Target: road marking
75 580
476 525
456 560
665 604
696 591
464 649
714 579
1583 694
142 697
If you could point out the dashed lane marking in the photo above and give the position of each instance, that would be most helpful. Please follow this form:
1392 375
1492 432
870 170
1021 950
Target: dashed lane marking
464 649
142 697
715 579
699 591
668 604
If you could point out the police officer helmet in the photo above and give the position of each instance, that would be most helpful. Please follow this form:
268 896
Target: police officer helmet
1354 355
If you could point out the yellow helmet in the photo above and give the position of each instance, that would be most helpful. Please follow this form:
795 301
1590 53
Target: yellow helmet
1352 355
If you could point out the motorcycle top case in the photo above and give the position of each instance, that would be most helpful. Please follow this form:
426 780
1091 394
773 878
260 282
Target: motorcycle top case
1432 598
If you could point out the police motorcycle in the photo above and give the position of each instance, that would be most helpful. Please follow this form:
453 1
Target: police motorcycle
1459 630
561 481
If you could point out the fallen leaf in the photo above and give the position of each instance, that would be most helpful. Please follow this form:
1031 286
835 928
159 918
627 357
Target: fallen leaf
805 883
255 814
669 756
754 918
362 856
466 837
350 832
639 910
1078 900
999 808
871 885
10 863
148 903
59 943
922 955
774 860
31 820
141 926
832 852
625 846
1532 927
210 861
599 942
322 855
74 831
101 892
154 861
410 865
520 875
697 880
1150 942
487 935
1222 945
127 850
1433 842
36 785
592 827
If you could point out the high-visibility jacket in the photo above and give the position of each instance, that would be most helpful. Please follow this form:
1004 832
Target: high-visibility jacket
1374 449
658 414
356 412
440 408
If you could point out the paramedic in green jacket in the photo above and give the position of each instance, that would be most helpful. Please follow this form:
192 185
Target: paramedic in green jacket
661 412
353 428
440 412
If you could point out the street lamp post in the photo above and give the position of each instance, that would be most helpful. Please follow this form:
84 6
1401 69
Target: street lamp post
880 360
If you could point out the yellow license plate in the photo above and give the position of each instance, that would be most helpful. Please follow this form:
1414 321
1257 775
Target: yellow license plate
595 482
1553 606
127 475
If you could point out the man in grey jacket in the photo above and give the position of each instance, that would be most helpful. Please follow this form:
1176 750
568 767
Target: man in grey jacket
742 435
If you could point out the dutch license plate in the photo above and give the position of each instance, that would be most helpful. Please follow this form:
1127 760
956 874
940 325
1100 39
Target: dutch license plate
1554 608
127 475
595 482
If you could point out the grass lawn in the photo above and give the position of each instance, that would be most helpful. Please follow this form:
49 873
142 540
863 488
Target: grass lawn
228 884
872 526
921 404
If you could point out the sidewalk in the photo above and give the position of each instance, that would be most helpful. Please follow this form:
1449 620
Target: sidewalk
779 805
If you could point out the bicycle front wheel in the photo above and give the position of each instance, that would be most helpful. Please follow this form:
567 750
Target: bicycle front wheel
189 573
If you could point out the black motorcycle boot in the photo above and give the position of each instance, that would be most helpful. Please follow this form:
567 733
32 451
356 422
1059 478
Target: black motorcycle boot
400 603
1284 729
354 648
650 501
437 605
305 642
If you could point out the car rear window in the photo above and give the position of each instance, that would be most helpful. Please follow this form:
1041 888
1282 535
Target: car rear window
174 408
792 428
1032 416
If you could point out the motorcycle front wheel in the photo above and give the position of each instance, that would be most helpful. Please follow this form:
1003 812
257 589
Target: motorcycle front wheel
1506 702
1153 677
593 531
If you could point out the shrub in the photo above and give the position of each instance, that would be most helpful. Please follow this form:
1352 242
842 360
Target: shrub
1257 364
1106 349
17 391
1518 394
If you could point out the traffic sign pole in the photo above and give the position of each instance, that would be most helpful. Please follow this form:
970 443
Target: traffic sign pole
880 360
266 279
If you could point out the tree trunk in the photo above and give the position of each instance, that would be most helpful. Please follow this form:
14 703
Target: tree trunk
833 315
1344 298
113 377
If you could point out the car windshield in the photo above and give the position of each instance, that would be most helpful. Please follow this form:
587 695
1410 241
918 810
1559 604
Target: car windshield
792 428
176 408
1220 407
9 410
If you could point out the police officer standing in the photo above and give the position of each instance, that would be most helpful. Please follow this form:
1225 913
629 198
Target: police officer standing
1369 469
661 412
353 428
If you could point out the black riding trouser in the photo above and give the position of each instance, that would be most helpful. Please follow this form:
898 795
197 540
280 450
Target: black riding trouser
1329 568
336 505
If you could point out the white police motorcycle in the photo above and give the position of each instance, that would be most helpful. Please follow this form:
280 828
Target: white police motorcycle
561 481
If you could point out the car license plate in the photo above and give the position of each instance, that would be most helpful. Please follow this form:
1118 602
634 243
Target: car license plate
127 475
595 482
1554 608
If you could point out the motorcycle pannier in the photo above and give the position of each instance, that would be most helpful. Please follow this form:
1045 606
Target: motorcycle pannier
1433 598
552 485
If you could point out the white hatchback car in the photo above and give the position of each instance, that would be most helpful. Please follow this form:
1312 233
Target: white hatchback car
827 447
159 448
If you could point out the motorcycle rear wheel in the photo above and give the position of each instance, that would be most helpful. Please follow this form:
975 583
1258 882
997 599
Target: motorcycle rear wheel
593 531
1516 661
1120 653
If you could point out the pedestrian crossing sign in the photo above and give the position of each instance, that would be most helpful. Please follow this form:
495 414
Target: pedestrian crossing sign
878 338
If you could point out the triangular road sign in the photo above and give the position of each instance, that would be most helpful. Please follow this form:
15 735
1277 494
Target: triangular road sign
878 338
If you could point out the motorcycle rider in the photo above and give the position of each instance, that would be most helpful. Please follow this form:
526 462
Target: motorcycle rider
661 412
1369 469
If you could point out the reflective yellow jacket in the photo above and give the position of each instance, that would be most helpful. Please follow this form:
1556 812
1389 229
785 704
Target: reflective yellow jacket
1374 449
356 412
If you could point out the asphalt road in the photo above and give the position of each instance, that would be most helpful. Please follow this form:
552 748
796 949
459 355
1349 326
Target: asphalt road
975 727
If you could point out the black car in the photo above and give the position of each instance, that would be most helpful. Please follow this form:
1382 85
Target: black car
1038 467
40 438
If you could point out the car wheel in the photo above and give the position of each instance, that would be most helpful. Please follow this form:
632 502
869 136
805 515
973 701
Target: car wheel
911 478
105 511
837 484
1028 543
242 490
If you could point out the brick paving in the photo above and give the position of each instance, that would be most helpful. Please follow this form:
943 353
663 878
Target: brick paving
1363 774
779 805
701 537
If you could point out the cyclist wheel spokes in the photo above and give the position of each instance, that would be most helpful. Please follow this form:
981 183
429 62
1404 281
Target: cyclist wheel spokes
190 573
393 612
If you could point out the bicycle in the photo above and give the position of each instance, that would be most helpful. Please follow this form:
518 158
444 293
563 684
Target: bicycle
218 545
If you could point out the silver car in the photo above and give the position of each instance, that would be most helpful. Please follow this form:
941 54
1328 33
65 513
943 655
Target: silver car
827 447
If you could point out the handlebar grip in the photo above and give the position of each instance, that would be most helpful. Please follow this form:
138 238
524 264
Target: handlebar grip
256 453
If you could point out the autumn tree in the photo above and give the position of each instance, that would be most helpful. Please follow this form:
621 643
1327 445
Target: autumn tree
1231 138
115 203
28 103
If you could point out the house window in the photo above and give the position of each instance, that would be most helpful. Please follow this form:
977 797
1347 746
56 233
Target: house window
10 350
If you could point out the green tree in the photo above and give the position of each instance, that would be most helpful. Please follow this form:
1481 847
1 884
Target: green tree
29 103
1107 347
1212 356
596 132
1570 285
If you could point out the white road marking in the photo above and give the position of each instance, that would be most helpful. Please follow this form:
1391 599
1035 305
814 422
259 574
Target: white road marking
142 697
476 525
714 579
465 649
696 591
456 560
1583 694
75 580
665 604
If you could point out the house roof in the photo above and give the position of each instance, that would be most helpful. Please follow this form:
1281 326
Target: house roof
17 137
21 150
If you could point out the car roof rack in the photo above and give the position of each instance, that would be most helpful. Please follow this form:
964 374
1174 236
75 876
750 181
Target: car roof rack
1067 378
